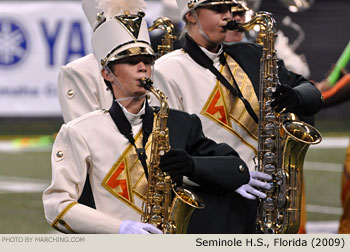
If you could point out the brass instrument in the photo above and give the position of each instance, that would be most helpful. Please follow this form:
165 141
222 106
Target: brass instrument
282 141
165 24
170 214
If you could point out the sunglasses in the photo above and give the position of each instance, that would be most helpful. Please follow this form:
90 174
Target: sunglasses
238 13
134 60
219 8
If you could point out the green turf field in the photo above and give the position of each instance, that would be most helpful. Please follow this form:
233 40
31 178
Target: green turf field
23 212
323 187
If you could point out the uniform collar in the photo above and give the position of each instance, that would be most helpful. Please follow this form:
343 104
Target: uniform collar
134 119
215 57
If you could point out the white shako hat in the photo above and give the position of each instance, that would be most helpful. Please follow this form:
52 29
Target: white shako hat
241 6
170 10
123 34
93 14
187 5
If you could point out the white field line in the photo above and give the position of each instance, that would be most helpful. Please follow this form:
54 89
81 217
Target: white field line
25 185
332 142
22 185
324 209
322 227
19 185
321 166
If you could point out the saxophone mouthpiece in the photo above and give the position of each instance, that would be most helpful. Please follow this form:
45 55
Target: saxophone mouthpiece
146 83
234 25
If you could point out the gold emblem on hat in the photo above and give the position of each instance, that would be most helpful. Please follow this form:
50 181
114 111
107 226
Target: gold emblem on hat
191 3
132 22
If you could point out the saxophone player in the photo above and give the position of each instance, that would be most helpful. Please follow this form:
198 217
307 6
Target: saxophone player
194 80
111 146
80 87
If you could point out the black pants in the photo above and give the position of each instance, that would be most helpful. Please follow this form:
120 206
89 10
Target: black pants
224 213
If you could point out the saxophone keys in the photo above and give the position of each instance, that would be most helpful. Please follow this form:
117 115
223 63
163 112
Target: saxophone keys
157 197
270 129
156 209
269 204
269 91
160 185
269 143
270 117
269 157
156 219
272 188
269 169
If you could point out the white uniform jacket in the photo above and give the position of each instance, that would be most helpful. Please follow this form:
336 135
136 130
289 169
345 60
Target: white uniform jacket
195 89
81 88
93 145
192 88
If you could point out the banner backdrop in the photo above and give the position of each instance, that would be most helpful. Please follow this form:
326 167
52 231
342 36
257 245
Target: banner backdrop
36 38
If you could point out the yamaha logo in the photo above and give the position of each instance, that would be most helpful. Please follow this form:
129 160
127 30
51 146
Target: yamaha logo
13 42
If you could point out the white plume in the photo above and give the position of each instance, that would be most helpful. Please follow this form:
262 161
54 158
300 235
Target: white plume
114 8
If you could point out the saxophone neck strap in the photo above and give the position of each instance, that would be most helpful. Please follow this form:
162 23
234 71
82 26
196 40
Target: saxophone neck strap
194 51
125 128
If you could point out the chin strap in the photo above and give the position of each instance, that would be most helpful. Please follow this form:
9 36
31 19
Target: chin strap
201 31
130 97
117 82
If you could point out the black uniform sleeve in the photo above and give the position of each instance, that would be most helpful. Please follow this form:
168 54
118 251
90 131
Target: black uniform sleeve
248 57
215 165
311 99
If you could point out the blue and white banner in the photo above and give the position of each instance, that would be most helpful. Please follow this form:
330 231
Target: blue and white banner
36 38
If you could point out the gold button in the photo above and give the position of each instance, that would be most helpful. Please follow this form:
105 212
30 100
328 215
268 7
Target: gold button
70 92
241 168
59 154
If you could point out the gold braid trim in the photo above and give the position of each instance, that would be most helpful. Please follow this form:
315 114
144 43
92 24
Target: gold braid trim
59 219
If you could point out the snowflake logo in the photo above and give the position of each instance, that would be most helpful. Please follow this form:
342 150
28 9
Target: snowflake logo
13 42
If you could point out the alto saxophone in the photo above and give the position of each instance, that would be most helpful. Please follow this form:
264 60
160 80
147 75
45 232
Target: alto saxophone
282 140
165 24
169 213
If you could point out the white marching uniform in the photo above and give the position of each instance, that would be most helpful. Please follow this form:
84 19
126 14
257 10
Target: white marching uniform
83 147
92 145
81 88
195 92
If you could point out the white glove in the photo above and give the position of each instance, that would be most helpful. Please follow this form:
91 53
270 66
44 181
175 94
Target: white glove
248 190
135 227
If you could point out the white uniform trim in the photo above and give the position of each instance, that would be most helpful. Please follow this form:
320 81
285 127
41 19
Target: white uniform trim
81 88
90 145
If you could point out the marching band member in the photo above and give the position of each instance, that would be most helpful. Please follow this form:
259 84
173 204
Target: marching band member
238 13
80 87
293 62
104 145
191 87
